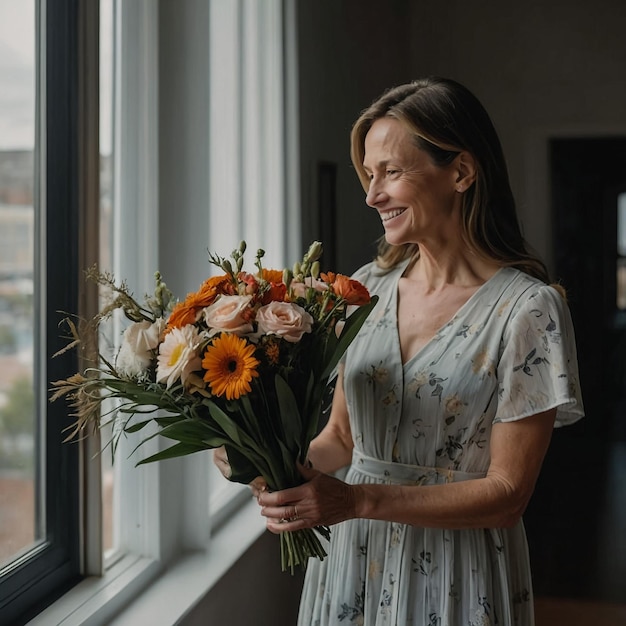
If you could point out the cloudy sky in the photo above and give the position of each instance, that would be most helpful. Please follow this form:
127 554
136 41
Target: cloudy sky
17 74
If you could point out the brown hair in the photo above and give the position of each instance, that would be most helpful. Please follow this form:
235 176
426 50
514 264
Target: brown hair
445 118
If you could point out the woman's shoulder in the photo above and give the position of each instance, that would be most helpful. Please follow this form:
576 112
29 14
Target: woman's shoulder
525 293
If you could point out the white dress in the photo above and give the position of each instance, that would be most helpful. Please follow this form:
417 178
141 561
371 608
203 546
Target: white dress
508 353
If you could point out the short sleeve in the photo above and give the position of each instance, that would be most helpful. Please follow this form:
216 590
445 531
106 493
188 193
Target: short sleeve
538 367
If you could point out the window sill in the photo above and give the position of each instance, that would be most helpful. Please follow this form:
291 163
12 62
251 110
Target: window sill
139 591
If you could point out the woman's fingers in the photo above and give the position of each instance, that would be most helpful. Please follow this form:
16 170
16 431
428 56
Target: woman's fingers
322 501
258 486
220 458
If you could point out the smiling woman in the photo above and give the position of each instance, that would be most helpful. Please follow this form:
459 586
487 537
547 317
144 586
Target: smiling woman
445 403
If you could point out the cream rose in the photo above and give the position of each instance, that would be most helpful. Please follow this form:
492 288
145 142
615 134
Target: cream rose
229 314
138 344
285 319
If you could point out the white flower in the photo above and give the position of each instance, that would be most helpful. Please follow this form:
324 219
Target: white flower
228 314
178 355
139 341
285 319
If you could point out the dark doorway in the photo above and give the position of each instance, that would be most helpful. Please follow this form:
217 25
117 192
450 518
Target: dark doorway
576 521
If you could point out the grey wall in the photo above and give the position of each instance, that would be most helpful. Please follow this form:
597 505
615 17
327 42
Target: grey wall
254 592
350 51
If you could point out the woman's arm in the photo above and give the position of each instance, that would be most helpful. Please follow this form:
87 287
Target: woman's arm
497 500
332 448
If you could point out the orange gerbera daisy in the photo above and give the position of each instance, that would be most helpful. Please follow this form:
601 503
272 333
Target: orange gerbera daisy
230 366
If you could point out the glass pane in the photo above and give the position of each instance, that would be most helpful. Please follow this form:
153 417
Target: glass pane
621 251
109 507
20 527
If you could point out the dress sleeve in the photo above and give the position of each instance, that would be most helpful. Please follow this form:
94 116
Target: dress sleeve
538 367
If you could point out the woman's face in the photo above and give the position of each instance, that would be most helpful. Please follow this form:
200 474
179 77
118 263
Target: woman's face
417 200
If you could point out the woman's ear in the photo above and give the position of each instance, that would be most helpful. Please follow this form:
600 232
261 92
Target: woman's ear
465 169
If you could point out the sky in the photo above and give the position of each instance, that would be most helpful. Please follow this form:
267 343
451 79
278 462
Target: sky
17 74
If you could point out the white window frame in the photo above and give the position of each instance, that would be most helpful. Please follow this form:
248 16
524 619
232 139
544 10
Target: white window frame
168 550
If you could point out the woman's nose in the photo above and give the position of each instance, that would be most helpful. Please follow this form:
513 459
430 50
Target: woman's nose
375 194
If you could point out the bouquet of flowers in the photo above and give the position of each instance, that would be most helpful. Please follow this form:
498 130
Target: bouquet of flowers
242 363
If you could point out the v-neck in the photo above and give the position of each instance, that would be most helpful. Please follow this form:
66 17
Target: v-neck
457 314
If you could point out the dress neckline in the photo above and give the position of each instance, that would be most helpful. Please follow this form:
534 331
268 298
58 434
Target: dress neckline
481 289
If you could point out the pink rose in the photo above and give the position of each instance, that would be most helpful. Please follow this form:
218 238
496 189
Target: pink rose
285 319
229 314
299 289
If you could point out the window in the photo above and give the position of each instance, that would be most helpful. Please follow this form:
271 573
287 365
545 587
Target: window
19 510
39 209
168 185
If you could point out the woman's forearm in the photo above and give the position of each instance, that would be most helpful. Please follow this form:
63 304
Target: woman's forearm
330 451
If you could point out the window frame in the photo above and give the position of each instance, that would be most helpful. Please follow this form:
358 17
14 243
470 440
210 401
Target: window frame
172 544
45 572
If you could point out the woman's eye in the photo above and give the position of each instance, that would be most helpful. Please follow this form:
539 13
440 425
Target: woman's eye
392 172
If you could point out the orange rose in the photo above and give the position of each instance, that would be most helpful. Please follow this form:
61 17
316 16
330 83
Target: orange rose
182 315
276 293
187 312
210 289
352 291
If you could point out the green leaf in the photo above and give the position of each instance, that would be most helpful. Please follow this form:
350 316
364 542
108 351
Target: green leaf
190 431
180 449
289 413
244 470
133 428
225 422
348 333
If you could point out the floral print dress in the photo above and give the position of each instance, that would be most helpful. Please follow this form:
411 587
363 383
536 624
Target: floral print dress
508 353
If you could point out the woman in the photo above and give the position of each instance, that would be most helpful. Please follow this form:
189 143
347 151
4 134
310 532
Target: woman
445 402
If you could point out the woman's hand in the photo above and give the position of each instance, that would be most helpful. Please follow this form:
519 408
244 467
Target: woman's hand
321 501
220 458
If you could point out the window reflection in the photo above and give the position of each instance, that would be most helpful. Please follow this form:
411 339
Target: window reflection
621 251
109 508
19 523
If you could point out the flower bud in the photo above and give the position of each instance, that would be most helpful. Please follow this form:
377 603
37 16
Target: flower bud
242 247
227 267
297 269
315 269
287 277
314 252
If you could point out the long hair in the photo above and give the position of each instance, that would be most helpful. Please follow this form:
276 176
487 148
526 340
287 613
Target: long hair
445 118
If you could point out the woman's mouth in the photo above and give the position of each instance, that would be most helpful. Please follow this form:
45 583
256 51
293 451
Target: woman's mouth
389 215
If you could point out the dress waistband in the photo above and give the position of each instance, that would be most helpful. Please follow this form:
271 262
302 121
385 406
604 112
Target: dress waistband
402 474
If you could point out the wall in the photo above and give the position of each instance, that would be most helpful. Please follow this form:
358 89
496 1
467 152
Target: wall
350 51
541 69
254 592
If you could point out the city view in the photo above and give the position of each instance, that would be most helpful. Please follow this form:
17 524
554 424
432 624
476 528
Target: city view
18 424
17 400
